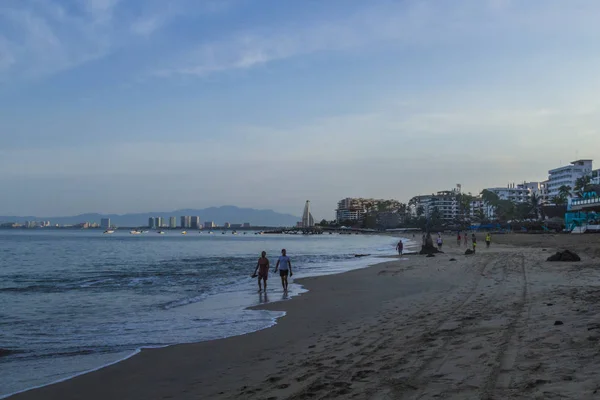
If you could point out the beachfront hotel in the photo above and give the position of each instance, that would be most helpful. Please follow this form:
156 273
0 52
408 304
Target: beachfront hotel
567 175
355 208
445 202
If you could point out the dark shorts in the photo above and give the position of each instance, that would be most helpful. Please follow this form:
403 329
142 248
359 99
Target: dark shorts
284 272
263 276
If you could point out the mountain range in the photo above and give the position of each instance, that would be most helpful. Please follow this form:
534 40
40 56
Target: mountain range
219 215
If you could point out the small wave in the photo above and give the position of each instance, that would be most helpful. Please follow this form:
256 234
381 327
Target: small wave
8 352
31 288
183 302
93 283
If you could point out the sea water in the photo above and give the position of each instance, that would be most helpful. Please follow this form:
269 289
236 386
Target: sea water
73 301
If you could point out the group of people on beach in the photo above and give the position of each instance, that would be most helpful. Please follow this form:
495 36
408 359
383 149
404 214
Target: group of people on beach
459 237
488 240
284 266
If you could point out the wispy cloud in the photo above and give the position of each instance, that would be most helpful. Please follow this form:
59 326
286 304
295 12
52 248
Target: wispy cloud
413 23
41 38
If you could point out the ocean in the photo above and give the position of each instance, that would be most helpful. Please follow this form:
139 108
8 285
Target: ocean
73 301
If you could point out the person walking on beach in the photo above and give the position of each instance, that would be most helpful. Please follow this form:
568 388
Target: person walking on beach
466 239
263 270
284 265
488 240
439 242
400 247
474 241
458 239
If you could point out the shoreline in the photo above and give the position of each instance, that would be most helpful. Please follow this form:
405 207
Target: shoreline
276 305
479 327
299 291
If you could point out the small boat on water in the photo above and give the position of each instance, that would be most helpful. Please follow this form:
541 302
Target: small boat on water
210 233
109 232
234 233
135 232
161 232
184 232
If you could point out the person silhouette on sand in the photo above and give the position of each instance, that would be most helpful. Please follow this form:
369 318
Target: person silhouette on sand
263 270
284 265
400 247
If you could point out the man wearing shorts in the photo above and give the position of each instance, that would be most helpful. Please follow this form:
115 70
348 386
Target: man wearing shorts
400 247
284 265
263 270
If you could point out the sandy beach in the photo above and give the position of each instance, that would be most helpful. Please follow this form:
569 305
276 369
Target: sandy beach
500 324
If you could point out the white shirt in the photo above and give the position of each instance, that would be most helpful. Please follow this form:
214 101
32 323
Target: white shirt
284 262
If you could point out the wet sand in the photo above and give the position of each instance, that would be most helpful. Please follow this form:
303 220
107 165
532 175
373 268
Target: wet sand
501 324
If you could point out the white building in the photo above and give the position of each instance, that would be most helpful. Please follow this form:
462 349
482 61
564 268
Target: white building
476 207
172 222
446 202
514 193
595 177
567 175
540 189
355 208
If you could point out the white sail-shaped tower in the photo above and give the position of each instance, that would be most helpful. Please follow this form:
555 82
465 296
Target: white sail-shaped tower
307 218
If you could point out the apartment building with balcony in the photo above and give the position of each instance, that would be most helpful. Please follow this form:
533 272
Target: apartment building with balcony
567 175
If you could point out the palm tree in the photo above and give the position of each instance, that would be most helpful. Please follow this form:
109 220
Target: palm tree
490 199
581 184
558 200
402 208
564 191
535 205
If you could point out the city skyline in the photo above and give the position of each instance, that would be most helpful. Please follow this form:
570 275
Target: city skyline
116 106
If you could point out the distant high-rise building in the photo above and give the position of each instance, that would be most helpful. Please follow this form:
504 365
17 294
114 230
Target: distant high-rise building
226 225
105 223
172 222
209 224
151 223
307 218
186 221
246 225
158 222
195 222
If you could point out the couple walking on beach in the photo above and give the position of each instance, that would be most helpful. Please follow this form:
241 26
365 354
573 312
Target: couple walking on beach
284 265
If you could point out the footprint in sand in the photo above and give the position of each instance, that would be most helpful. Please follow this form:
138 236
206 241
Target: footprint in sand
362 374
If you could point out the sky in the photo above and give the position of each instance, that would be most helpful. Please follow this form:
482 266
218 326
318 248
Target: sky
119 106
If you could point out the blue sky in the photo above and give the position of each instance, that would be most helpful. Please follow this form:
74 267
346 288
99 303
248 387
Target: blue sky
142 105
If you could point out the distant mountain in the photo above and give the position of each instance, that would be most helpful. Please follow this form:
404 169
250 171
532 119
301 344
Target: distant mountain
219 215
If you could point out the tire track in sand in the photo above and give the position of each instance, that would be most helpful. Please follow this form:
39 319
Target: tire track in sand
409 386
499 378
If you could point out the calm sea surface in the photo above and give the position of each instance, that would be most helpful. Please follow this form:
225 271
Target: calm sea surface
72 301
